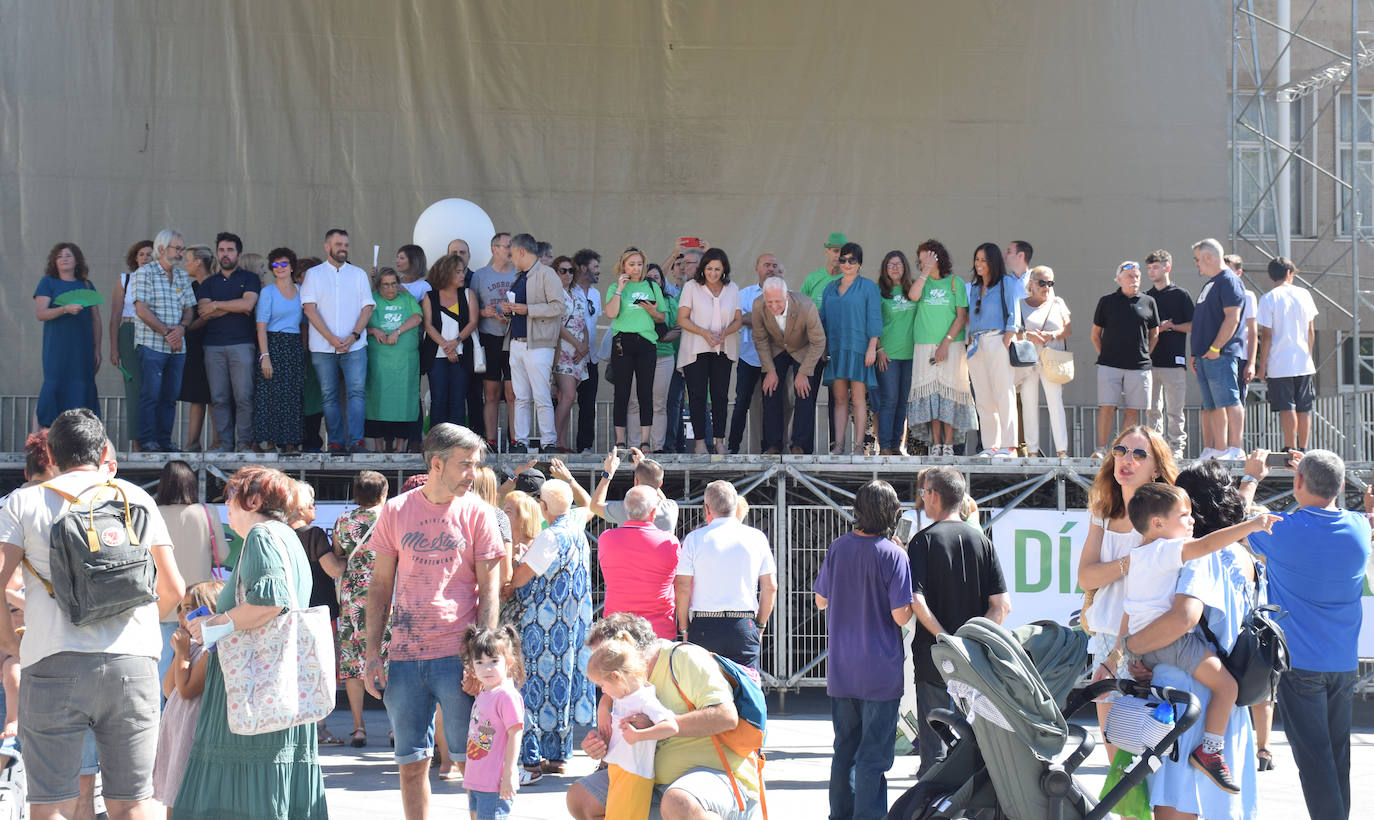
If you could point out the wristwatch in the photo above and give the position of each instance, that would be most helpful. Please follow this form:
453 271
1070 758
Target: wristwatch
1248 479
605 475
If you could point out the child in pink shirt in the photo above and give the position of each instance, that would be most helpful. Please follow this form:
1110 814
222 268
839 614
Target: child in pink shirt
498 716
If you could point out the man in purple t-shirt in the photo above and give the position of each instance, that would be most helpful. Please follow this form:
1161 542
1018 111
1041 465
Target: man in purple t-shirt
864 586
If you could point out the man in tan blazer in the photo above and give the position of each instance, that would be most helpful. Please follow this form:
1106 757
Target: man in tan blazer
536 315
788 334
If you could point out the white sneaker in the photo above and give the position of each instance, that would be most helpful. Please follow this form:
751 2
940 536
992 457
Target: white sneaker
1233 454
1208 452
1005 452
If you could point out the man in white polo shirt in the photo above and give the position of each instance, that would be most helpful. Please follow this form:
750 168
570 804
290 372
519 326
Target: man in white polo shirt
337 300
729 610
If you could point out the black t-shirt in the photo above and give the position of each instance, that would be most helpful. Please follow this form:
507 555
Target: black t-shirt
1176 304
955 567
316 543
1126 324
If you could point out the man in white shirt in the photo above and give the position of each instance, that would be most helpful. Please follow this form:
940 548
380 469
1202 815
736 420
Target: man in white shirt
1285 318
336 298
749 369
588 264
101 676
729 610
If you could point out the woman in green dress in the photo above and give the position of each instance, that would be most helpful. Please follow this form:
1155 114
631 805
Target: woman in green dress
272 776
393 364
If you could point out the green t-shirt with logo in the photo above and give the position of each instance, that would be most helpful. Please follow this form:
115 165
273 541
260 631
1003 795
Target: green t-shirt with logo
634 318
814 286
938 308
899 326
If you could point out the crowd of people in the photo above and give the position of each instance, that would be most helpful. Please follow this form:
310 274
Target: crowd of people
269 346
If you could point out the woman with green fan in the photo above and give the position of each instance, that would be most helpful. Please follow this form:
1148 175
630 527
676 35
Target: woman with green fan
68 306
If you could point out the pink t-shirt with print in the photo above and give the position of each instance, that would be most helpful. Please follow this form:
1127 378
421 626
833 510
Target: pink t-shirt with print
494 713
437 547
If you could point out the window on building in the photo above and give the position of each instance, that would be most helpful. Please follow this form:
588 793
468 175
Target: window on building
1356 161
1257 164
1352 363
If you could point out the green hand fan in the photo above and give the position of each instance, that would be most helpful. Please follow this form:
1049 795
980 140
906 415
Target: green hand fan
84 297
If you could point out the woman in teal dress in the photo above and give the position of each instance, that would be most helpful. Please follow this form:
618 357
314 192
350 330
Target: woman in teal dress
71 336
393 364
851 311
553 583
272 776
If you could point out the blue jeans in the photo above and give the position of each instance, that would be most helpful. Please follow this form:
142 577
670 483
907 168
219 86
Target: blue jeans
488 805
448 392
354 367
413 689
894 385
1316 712
746 380
865 731
157 401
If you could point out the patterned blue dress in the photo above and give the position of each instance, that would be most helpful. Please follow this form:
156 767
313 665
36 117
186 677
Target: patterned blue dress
554 624
1219 581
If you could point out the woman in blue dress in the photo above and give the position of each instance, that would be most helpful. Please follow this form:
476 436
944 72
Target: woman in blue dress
851 312
1221 588
553 583
71 336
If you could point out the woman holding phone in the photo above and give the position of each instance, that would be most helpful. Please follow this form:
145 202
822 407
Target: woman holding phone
634 306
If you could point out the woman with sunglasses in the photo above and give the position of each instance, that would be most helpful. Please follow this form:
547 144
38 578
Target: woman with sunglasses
1139 456
940 405
851 311
992 327
574 345
895 348
709 314
1044 322
634 305
279 379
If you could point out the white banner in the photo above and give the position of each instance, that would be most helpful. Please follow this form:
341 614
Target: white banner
1039 552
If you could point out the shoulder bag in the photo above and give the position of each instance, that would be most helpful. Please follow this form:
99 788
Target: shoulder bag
1259 655
280 674
1021 351
1056 365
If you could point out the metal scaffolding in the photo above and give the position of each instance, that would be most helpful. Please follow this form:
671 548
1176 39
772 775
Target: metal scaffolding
1295 67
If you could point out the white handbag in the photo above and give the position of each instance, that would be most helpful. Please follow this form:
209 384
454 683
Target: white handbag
479 355
280 674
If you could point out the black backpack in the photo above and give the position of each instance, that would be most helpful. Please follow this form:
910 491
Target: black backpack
1259 655
100 565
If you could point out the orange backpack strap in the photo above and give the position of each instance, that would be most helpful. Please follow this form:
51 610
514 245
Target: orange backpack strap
715 740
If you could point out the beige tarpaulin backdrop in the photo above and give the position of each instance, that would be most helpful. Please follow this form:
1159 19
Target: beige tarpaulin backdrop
1096 130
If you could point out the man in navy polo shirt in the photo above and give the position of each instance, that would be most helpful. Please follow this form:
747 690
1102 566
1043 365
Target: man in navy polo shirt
227 302
1218 347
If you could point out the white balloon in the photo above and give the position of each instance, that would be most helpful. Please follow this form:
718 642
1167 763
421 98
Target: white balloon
454 218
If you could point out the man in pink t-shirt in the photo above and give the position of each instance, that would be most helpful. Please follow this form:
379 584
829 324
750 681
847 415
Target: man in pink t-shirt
439 550
638 561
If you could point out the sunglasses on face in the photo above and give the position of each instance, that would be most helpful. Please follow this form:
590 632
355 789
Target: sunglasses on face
565 270
1045 283
1121 451
848 260
282 264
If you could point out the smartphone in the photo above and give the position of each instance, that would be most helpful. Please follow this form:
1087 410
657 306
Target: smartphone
200 612
690 241
1279 459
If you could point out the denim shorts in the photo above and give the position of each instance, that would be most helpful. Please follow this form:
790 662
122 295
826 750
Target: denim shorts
711 789
1219 380
68 696
413 689
488 805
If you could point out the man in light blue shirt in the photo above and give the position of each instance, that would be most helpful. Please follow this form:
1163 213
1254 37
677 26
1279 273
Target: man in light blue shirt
1316 560
748 370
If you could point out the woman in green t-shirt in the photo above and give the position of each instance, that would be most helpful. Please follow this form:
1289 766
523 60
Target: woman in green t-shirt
634 305
393 364
940 405
894 351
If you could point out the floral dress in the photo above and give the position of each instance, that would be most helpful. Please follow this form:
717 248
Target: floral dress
353 529
575 322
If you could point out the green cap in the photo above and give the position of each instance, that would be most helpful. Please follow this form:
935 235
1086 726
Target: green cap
836 240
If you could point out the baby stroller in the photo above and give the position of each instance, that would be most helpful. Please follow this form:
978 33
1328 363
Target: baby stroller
1012 753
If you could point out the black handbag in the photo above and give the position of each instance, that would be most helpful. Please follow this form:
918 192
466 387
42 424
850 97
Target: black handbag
1022 352
1259 655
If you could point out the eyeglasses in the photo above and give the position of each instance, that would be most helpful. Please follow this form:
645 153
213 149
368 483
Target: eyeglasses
282 264
565 270
921 492
1045 283
176 247
1121 451
849 260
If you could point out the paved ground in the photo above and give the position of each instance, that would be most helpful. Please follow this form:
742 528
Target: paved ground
362 784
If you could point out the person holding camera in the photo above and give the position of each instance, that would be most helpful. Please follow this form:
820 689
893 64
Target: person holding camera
635 306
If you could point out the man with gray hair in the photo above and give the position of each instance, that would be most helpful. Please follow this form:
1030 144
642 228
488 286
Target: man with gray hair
729 610
165 304
788 335
1217 348
1125 330
638 560
1316 560
535 306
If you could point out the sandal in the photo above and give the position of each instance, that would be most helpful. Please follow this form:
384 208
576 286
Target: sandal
528 777
325 738
359 738
553 766
1265 760
452 774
